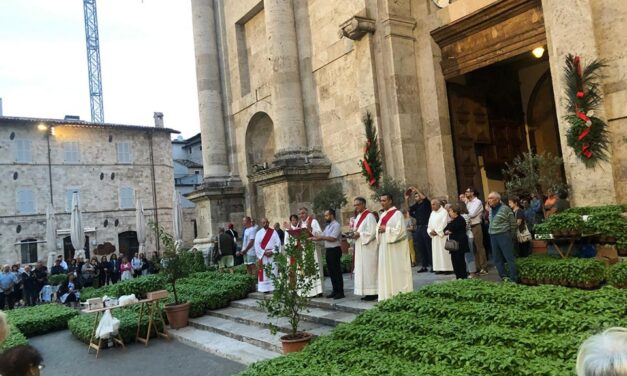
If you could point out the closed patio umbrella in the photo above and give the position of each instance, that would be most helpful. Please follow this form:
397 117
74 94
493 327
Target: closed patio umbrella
177 218
77 233
140 223
51 236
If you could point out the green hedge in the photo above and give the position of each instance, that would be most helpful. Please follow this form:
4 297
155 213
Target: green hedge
41 319
138 286
617 274
466 327
15 338
57 279
572 271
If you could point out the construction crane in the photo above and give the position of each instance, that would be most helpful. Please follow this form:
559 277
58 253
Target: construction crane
93 61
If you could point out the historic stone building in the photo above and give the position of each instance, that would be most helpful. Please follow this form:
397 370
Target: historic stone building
454 90
109 165
188 176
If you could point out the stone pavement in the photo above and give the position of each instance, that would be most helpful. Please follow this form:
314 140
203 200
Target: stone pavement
64 355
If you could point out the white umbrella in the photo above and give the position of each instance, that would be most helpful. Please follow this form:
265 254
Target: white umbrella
77 233
177 218
140 223
51 236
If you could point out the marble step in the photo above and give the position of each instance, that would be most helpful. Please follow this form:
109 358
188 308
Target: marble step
351 303
223 346
315 315
260 320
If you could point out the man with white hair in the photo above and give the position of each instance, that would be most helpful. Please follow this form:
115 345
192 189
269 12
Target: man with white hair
604 354
502 231
435 228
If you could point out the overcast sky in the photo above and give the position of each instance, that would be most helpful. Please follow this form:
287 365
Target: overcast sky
146 54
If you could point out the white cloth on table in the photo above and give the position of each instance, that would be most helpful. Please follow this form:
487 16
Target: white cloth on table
394 263
264 283
441 257
366 256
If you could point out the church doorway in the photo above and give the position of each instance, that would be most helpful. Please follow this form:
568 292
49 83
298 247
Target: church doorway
498 112
128 243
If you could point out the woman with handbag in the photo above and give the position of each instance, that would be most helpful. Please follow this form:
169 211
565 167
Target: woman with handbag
457 243
523 236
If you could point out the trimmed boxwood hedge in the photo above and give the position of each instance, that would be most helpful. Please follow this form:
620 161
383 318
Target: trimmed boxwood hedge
15 338
466 327
40 319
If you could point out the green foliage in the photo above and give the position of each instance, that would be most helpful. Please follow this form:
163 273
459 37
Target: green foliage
57 279
617 274
372 155
15 338
329 197
466 327
393 187
535 174
597 210
174 264
138 286
556 270
347 263
40 319
296 272
564 221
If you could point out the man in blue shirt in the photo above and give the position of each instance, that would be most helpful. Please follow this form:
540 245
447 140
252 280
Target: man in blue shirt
7 281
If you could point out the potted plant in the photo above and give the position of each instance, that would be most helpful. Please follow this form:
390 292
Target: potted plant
293 275
174 268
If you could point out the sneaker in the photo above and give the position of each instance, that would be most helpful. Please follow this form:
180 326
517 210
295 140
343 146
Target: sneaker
483 272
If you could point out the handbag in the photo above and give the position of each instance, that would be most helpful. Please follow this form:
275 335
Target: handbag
451 245
523 236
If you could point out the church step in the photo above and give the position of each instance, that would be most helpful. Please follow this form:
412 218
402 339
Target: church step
257 336
323 316
260 319
223 346
351 303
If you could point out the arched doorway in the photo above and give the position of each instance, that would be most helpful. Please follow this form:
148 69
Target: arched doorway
128 243
260 149
68 248
542 119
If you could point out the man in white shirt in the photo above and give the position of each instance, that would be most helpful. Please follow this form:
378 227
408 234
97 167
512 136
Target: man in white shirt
475 211
248 242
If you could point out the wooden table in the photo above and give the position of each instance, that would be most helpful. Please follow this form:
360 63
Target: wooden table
571 243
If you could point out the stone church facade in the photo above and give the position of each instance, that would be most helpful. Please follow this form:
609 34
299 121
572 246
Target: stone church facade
454 91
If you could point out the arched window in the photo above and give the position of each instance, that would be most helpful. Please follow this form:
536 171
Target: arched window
29 251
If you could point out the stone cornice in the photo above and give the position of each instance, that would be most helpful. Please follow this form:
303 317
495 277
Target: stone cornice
288 173
400 27
356 27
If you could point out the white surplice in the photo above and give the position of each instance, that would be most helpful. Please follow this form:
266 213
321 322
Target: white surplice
366 256
264 283
317 284
394 263
316 230
441 257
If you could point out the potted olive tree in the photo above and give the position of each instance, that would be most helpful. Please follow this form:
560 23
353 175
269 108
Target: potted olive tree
293 275
174 268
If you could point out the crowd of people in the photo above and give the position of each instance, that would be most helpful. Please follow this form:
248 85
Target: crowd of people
27 286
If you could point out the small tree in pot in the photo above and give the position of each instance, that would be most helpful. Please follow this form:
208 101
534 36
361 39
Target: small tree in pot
293 275
173 266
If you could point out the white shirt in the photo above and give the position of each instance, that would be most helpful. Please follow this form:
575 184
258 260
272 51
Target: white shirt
475 211
249 234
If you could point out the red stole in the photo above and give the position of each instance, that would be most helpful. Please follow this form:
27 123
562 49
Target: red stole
264 243
361 219
387 216
309 222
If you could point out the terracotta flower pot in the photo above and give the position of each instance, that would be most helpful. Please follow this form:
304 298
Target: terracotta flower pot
177 315
295 344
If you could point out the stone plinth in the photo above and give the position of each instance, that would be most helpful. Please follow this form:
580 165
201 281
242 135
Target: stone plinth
217 205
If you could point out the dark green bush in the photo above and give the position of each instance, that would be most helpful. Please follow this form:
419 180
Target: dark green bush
573 270
41 319
57 279
617 274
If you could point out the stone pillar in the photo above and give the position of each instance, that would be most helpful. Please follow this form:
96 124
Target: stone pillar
215 163
570 29
287 101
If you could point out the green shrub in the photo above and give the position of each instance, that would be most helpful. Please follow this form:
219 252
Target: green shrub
617 274
138 286
41 319
57 279
347 263
15 338
572 269
468 327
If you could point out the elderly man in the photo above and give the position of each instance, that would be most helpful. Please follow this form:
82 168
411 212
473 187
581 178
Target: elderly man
267 243
437 222
8 280
475 211
366 257
502 232
604 354
394 265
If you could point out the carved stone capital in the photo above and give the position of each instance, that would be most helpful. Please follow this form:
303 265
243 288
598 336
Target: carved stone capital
356 27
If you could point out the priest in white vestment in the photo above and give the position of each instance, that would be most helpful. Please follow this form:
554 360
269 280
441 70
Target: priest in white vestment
366 252
309 222
267 243
437 222
294 224
394 263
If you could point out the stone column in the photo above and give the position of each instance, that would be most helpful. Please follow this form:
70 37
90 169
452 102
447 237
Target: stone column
287 101
570 29
215 163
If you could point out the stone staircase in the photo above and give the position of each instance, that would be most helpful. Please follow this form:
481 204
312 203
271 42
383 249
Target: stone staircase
241 331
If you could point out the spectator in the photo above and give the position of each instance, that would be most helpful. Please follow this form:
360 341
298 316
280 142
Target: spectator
7 284
136 264
420 211
29 286
145 264
57 268
72 268
410 224
502 232
456 230
281 233
126 268
80 263
41 275
475 211
114 265
469 256
226 246
18 288
87 272
63 263
69 291
22 360
524 247
556 203
105 275
604 354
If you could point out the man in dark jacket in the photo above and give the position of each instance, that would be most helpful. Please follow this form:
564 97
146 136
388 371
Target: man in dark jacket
226 245
57 268
29 286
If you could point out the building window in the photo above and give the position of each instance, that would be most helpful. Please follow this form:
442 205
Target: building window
127 198
29 251
23 151
69 192
71 152
26 201
124 152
